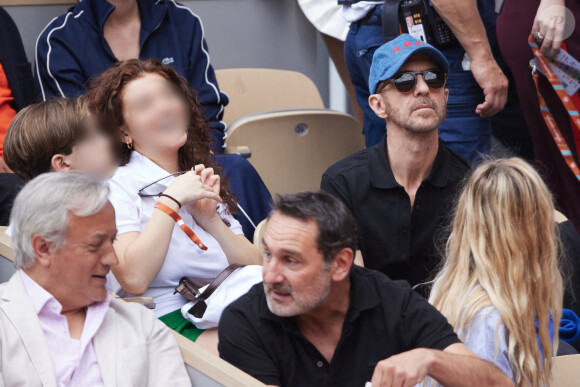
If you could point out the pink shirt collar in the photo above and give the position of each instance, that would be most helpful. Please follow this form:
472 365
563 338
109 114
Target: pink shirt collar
74 361
40 298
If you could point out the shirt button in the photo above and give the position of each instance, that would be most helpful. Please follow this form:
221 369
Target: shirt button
319 363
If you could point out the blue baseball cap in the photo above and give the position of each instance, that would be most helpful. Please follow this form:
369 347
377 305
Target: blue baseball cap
391 56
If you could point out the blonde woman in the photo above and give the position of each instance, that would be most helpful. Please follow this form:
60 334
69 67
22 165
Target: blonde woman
500 285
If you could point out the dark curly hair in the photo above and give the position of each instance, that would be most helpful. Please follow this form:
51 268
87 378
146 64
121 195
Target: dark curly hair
104 100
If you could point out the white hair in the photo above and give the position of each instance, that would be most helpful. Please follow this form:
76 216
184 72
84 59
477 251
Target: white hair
43 207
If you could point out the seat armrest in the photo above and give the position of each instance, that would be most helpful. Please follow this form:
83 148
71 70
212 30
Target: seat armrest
145 301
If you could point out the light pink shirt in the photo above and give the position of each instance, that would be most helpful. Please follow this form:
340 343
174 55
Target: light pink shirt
74 361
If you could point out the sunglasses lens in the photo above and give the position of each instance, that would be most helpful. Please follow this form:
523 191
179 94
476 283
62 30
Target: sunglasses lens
435 79
405 82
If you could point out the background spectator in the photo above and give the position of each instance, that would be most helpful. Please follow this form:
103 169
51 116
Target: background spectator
518 19
401 190
326 16
17 89
478 88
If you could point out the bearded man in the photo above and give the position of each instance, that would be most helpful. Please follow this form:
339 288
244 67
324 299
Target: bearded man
317 320
401 190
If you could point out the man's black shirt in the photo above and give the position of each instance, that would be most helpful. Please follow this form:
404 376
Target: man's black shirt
385 318
393 237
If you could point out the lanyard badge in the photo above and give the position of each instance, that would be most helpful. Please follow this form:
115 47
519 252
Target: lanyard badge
569 70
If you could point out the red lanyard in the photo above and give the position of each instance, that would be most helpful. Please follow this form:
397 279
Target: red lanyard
192 235
548 117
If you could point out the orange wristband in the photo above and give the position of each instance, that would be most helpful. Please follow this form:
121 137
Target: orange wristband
169 211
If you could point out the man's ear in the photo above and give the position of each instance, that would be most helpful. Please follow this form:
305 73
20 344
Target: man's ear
60 163
377 103
446 95
342 264
42 249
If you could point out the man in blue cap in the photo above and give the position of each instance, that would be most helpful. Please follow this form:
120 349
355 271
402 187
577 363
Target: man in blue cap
477 84
317 320
400 190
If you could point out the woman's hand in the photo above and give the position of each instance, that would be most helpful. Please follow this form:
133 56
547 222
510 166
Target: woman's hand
191 187
204 210
548 28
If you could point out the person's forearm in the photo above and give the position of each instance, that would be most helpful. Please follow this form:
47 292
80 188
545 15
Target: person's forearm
454 370
237 248
144 256
462 16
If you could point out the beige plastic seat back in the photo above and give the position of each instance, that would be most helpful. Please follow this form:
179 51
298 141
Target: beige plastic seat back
292 149
7 268
254 90
566 371
259 234
208 370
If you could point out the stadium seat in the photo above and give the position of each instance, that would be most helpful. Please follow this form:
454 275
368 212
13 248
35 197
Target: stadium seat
254 90
208 370
7 268
259 233
291 149
565 371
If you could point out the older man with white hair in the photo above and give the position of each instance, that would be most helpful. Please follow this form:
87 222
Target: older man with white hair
58 324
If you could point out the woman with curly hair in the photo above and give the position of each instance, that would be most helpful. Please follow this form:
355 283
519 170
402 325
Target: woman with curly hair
166 172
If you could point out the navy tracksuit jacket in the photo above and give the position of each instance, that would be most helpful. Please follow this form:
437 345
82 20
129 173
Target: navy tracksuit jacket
72 49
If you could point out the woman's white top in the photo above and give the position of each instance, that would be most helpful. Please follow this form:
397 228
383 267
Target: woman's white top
184 258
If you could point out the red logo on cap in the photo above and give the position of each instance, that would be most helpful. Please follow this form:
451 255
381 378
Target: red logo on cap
409 44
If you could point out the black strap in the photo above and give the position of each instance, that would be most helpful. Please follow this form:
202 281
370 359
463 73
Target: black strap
171 198
189 287
200 306
390 19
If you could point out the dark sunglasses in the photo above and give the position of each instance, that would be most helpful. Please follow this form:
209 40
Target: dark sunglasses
406 82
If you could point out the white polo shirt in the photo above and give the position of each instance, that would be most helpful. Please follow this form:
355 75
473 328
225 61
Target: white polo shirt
183 258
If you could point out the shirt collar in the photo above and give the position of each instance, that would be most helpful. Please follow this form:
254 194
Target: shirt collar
38 295
363 296
382 174
151 13
41 299
147 171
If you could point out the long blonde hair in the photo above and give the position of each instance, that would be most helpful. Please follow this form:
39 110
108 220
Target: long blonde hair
503 252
